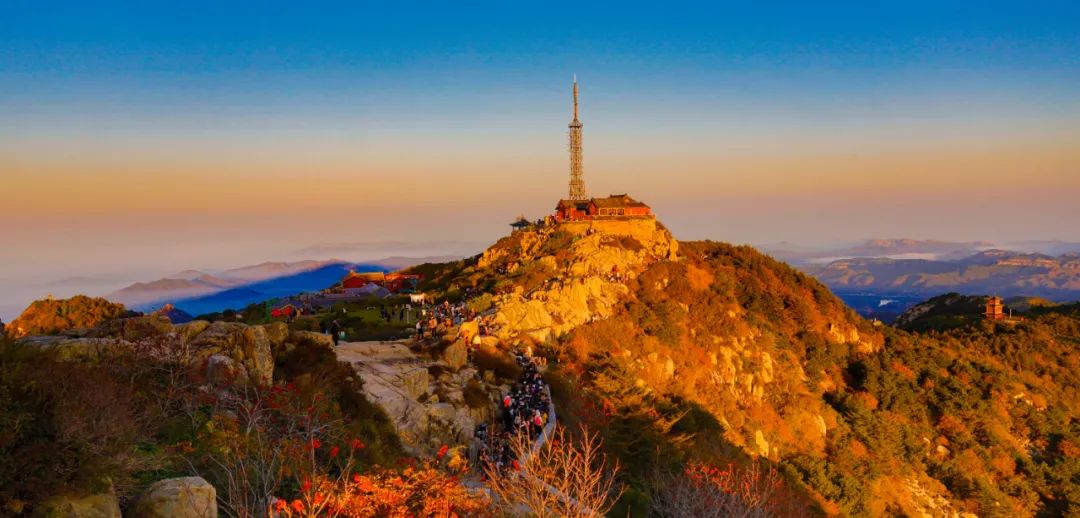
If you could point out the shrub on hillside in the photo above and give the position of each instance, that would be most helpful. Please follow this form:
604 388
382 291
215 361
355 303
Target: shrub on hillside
64 427
706 491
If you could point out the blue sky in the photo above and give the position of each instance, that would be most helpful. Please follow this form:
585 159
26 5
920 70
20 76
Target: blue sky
223 50
183 125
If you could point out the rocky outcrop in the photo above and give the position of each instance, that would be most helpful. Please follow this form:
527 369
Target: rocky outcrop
456 355
427 410
186 497
277 333
249 346
224 350
415 381
76 349
135 328
185 332
223 370
583 281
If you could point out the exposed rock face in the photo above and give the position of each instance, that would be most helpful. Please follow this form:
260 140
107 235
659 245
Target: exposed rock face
847 334
185 332
75 348
135 328
223 370
415 382
248 345
583 280
398 380
277 333
457 354
186 497
227 350
103 505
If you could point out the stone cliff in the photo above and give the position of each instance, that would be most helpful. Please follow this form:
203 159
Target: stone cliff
566 275
425 397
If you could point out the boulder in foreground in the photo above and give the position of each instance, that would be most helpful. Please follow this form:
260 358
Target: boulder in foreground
185 497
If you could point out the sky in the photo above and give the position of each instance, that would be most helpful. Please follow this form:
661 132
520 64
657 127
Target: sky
142 138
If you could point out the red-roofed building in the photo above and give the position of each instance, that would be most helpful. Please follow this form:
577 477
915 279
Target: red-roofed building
358 280
614 206
362 283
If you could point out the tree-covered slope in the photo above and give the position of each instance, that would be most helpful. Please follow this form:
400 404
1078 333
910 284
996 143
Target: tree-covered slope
868 420
721 354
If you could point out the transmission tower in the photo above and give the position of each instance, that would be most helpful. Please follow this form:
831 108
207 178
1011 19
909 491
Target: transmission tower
577 184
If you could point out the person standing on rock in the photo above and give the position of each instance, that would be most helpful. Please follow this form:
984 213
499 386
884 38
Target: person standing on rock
335 331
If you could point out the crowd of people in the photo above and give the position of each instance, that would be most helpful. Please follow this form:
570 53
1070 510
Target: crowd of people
523 410
437 319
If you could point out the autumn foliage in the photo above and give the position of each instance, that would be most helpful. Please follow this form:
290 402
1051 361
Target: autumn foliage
50 316
422 490
705 491
288 451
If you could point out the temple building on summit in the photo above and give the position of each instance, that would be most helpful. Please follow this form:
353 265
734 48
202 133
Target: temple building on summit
612 207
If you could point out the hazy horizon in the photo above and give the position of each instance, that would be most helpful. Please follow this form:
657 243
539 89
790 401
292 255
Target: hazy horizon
141 140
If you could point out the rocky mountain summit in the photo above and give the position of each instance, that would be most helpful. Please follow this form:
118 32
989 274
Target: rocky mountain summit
702 350
571 274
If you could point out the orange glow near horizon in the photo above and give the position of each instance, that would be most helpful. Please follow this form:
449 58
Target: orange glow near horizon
119 182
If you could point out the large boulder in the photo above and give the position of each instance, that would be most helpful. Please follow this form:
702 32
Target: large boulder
102 505
415 382
189 330
219 337
276 333
258 358
456 355
446 422
247 345
223 370
185 497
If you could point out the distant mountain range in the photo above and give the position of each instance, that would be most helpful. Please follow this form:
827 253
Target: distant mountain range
798 255
197 292
882 278
195 283
1000 272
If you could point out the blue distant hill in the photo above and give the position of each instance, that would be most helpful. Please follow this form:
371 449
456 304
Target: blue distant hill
284 286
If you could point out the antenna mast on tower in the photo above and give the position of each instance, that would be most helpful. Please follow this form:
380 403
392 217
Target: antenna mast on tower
577 184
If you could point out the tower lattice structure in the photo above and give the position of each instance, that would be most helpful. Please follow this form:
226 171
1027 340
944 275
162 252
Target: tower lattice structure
577 183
